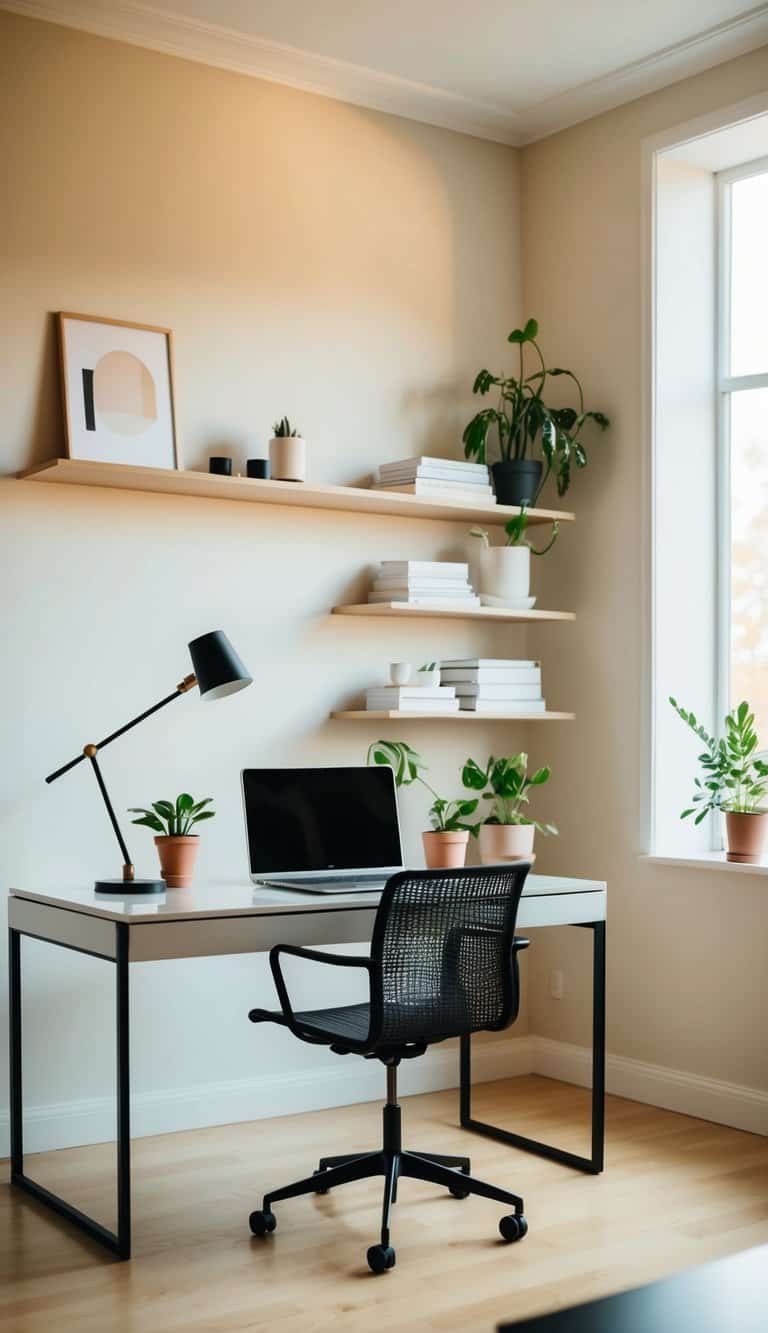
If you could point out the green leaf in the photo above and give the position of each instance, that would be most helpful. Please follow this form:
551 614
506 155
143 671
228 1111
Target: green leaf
150 821
204 814
164 809
184 802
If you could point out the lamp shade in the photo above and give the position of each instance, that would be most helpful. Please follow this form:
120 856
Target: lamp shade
217 666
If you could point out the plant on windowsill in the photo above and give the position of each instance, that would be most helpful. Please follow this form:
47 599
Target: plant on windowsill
734 780
523 423
445 844
507 834
505 571
287 452
177 846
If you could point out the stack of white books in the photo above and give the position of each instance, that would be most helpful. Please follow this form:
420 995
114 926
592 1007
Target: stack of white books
444 479
495 685
412 699
440 584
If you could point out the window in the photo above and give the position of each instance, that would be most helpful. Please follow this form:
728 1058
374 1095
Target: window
743 440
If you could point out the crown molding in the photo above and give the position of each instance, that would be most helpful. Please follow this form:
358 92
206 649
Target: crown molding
211 44
746 32
226 48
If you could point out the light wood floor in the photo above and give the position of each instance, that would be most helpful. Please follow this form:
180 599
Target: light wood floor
676 1192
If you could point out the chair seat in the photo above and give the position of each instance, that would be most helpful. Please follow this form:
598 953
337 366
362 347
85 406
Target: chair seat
350 1022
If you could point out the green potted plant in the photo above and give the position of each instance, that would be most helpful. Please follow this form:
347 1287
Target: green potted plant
734 780
505 571
507 833
177 846
445 844
287 452
523 423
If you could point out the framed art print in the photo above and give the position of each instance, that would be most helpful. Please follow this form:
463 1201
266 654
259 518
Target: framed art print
117 383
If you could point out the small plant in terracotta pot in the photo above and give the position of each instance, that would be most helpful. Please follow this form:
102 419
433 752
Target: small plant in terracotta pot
735 780
445 844
177 847
508 832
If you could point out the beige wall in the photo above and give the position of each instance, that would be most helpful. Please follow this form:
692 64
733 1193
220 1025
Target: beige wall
688 951
348 268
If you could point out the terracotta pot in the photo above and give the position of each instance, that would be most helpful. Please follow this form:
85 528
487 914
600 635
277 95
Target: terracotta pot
177 859
445 851
505 842
288 457
745 835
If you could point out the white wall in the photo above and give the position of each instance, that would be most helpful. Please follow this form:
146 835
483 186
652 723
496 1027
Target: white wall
345 267
687 950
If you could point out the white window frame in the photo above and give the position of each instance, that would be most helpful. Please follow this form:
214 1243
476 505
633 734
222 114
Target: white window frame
727 385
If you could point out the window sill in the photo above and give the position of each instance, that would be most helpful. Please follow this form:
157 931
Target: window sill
708 861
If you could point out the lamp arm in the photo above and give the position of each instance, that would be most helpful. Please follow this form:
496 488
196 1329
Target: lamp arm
183 687
127 863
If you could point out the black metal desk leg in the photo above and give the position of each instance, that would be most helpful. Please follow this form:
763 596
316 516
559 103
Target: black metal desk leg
122 1018
595 1163
118 1242
14 1049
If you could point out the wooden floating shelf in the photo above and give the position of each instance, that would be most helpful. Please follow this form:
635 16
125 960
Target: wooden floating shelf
357 499
497 613
392 714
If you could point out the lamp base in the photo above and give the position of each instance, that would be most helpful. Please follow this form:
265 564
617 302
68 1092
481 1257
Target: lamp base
128 887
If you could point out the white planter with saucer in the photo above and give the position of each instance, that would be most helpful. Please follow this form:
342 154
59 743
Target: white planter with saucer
505 842
505 574
288 456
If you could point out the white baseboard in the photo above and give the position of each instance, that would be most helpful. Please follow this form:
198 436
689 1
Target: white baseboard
92 1120
673 1089
69 1124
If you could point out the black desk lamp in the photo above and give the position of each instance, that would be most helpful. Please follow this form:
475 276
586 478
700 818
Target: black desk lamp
218 671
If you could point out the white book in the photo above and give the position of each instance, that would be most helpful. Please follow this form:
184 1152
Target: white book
502 706
511 679
429 603
434 568
509 691
426 460
431 491
414 706
476 663
411 692
435 474
382 582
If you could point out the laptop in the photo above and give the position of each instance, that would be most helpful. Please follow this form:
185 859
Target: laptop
322 830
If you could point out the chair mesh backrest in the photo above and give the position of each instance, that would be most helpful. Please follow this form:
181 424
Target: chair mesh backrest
442 952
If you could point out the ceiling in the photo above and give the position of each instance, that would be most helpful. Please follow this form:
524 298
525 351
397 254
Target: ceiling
506 70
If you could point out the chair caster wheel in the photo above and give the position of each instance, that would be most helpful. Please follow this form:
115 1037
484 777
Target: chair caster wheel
458 1192
380 1258
261 1223
320 1189
513 1227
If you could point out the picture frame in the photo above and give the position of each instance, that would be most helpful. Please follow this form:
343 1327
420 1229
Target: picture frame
117 382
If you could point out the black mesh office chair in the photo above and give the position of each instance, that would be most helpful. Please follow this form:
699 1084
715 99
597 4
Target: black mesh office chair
443 962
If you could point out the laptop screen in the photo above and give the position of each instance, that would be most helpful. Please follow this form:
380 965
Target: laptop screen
320 819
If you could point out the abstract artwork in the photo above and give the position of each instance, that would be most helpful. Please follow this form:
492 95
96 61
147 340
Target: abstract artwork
117 382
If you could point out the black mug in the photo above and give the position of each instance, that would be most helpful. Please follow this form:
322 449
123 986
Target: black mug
259 468
221 467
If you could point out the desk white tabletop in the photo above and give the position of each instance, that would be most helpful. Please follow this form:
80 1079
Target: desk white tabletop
238 898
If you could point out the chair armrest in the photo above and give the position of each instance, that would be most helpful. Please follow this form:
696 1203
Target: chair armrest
312 956
520 942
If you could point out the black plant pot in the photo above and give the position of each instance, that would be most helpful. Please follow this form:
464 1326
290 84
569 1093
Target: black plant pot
517 482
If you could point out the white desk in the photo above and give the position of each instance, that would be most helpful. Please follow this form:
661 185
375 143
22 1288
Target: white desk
231 918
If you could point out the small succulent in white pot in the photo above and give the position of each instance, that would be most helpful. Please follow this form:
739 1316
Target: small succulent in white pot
287 452
428 675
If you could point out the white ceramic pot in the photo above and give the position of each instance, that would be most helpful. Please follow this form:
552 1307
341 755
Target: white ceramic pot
427 679
399 673
505 572
288 456
505 842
